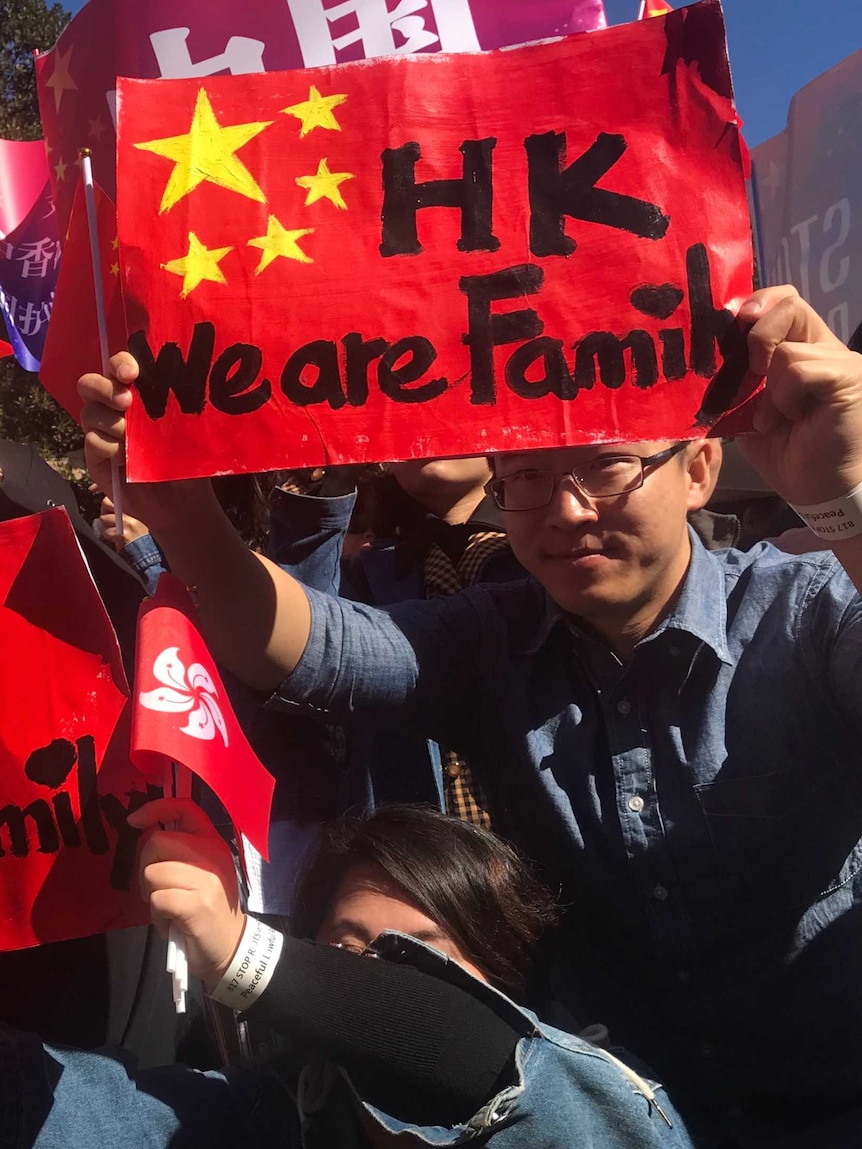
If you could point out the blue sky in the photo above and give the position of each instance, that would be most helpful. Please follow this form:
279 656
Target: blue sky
776 47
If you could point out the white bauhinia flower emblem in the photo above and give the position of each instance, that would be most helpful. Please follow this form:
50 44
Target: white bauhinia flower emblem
183 691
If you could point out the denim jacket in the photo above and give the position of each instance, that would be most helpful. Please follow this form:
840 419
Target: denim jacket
563 1092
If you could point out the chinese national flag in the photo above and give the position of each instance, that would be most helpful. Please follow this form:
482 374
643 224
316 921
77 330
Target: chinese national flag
182 714
67 855
72 347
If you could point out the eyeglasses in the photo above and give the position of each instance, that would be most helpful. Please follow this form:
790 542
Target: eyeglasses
355 948
600 478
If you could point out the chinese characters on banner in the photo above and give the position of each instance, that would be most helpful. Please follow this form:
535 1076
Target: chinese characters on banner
29 248
67 855
423 256
809 191
172 39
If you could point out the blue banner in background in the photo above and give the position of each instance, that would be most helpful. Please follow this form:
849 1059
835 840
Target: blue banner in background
29 258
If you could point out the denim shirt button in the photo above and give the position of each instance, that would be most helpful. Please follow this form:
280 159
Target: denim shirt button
636 803
660 893
624 707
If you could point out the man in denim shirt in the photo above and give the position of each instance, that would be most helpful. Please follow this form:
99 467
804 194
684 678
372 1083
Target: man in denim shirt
672 734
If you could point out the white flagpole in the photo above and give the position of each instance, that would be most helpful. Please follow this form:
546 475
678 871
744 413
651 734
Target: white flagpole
642 10
180 785
99 285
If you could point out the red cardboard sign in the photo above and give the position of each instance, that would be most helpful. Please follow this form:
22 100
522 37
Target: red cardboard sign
67 854
435 255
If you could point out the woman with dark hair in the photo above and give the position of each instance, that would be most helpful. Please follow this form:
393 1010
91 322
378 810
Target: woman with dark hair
469 881
420 1046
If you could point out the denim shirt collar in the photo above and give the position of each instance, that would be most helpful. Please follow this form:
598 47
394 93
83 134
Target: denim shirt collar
700 610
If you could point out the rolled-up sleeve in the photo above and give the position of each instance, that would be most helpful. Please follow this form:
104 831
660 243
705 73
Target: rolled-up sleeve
417 662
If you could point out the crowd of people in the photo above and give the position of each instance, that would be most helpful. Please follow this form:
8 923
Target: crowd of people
567 838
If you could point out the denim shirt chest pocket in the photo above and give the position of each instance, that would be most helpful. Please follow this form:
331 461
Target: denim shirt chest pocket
785 837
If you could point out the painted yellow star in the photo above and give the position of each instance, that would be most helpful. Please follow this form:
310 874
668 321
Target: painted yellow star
279 241
206 153
199 264
60 80
115 268
324 185
60 171
115 242
316 112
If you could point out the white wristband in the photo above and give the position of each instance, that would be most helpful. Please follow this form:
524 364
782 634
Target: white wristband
836 520
254 962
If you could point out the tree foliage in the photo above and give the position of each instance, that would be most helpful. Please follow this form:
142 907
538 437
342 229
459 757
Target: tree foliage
25 26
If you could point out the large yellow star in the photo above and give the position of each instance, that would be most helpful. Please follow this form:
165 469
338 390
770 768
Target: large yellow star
60 80
279 241
206 152
324 185
199 264
316 112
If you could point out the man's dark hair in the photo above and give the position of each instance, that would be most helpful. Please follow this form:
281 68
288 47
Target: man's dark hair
465 879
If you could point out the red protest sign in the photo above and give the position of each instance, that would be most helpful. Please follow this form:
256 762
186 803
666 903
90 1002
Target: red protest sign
67 855
181 713
434 256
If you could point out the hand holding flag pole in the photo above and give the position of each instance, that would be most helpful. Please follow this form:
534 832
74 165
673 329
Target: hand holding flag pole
85 157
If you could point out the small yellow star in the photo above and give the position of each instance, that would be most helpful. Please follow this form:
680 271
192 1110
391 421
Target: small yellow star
115 242
199 264
316 112
278 241
324 185
206 152
115 268
60 79
60 171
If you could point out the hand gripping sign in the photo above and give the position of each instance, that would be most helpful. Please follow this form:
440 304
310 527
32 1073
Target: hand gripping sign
438 255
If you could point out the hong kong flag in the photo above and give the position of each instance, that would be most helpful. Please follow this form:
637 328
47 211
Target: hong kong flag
182 714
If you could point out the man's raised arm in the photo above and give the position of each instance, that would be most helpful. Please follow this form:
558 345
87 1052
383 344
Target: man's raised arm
256 618
808 440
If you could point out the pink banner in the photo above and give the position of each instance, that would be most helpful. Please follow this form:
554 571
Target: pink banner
23 175
152 39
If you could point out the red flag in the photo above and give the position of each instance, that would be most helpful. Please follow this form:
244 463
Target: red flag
5 349
423 255
67 855
72 347
173 38
181 713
